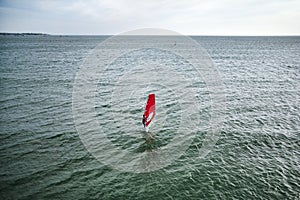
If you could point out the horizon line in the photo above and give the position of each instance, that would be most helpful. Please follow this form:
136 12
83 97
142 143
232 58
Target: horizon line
202 35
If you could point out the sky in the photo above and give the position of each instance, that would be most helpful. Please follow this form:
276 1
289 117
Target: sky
189 17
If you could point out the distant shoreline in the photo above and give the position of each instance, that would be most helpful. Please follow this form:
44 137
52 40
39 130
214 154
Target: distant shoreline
23 34
47 34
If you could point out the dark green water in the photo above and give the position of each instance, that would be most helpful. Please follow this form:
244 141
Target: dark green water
257 155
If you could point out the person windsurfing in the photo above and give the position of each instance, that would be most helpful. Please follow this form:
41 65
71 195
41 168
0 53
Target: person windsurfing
150 112
144 120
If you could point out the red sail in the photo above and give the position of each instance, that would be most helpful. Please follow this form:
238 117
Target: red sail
150 110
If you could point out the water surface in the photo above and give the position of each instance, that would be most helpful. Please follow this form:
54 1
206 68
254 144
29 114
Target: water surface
256 156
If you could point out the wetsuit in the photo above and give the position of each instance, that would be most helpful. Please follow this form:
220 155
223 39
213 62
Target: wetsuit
144 121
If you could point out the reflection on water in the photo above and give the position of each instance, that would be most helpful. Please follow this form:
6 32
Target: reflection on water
151 143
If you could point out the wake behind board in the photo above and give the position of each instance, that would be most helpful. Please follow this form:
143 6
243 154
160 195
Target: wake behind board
150 112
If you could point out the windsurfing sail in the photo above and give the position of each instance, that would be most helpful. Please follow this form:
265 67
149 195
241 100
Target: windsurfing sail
150 111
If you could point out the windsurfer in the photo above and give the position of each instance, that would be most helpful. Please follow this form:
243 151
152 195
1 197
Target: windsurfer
144 120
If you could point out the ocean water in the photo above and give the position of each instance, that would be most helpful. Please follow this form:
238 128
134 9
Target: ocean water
43 156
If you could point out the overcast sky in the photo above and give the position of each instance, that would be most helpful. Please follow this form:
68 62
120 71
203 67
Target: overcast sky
190 17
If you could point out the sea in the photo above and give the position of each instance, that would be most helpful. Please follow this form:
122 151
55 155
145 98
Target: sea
61 142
